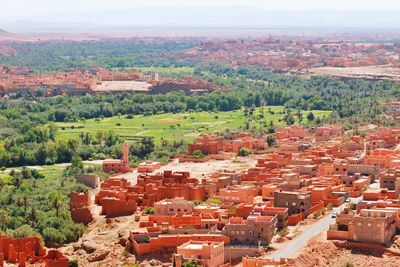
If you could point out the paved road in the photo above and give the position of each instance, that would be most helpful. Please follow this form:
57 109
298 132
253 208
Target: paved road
292 248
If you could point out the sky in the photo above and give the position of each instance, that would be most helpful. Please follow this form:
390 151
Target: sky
26 9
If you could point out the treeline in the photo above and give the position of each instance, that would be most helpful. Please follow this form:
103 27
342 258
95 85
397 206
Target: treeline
50 56
347 98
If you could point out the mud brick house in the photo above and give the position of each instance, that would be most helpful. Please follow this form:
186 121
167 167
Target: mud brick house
23 250
117 197
326 132
238 194
148 243
252 231
148 166
291 132
207 254
370 225
296 202
118 166
207 144
170 185
80 207
173 206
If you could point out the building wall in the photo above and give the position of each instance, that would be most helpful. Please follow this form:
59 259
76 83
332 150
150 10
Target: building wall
91 180
250 232
295 202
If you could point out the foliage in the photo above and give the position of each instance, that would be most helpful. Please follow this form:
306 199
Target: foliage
39 206
243 152
213 201
283 232
148 210
198 154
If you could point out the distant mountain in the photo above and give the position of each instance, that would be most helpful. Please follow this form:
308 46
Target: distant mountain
4 35
7 36
234 16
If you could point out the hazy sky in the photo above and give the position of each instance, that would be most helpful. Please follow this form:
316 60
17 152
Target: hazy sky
24 9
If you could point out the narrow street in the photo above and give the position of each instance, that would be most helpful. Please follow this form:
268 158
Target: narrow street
293 247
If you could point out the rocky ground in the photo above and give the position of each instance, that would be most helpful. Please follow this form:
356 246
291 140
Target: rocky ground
104 242
324 253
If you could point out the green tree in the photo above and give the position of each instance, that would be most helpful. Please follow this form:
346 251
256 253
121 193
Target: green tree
310 117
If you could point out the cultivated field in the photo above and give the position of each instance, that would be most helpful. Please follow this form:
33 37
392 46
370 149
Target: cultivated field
185 126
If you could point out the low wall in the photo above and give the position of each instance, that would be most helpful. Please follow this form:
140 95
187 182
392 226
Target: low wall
317 206
336 202
294 219
338 235
233 253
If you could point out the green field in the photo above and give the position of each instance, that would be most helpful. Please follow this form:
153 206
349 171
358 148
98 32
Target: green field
163 71
186 126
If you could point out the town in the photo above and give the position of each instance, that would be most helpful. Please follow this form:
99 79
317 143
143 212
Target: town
78 82
343 185
173 133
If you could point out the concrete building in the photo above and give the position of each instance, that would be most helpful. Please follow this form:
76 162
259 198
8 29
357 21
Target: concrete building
370 225
296 202
252 231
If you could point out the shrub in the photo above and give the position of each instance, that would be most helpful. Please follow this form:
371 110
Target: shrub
214 201
73 263
243 152
283 232
149 210
317 214
198 154
52 235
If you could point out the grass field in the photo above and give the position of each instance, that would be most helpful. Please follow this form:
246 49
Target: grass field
163 71
186 126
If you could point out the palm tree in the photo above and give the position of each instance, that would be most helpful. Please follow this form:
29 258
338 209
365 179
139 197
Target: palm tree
3 219
2 184
25 203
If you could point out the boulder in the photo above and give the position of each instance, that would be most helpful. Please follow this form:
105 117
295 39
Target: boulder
99 255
